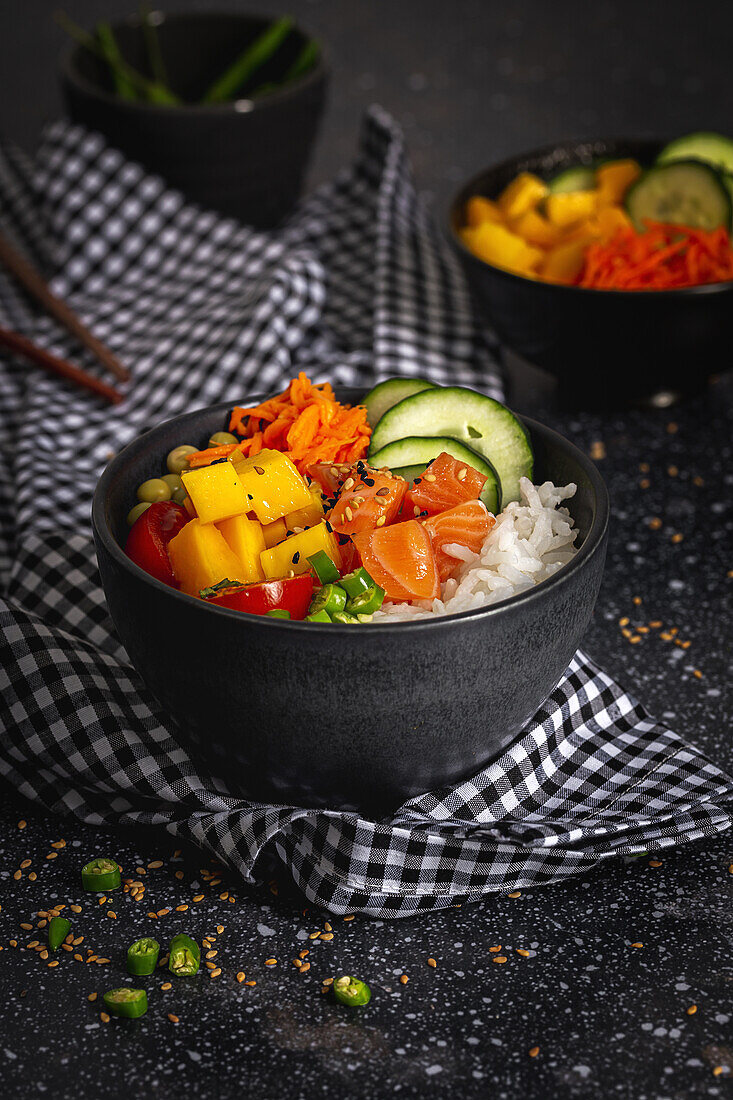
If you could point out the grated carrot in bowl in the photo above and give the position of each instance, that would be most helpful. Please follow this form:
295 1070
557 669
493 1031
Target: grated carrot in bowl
664 257
306 422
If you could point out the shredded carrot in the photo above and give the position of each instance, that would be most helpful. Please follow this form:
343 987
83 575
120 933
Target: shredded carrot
306 421
664 257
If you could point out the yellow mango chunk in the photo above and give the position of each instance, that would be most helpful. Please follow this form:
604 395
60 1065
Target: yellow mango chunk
609 220
568 207
480 209
614 179
564 262
244 536
272 483
216 492
201 557
312 513
497 245
522 194
535 229
274 532
293 553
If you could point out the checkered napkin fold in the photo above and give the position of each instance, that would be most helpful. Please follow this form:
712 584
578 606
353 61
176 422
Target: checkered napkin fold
355 287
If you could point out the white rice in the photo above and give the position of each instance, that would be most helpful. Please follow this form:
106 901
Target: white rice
531 540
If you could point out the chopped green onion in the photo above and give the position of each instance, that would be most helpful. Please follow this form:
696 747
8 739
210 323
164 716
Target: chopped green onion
249 62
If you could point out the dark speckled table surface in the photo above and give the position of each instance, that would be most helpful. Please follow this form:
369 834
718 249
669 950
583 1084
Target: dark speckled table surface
609 1019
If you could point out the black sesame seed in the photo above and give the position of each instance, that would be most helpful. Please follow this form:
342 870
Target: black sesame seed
368 480
417 480
296 557
343 539
329 528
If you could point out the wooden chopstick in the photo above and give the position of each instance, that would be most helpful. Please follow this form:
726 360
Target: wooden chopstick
33 282
20 345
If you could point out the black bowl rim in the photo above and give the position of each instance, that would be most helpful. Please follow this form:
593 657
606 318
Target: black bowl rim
320 70
593 541
472 186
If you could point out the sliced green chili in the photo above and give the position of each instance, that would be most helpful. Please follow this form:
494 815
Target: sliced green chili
142 956
343 617
184 957
366 602
351 991
278 613
58 930
330 598
101 874
356 582
126 1002
318 617
324 568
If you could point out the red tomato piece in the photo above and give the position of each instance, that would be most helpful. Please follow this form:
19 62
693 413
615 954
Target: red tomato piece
445 483
147 542
400 559
368 499
465 525
291 594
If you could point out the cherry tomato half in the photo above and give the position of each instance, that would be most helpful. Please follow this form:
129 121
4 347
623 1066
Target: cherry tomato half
291 594
149 537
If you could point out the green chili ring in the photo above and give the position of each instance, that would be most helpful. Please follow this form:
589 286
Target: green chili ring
142 956
101 874
126 1002
184 956
351 991
58 930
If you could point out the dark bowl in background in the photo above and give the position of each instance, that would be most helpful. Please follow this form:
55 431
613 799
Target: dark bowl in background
345 716
608 348
245 158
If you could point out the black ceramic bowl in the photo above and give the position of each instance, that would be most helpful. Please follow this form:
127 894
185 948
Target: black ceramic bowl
245 158
608 348
346 716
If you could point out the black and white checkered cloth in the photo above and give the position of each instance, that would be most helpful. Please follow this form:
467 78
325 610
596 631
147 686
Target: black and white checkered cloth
355 287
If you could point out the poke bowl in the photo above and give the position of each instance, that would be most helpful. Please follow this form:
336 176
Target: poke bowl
608 347
330 710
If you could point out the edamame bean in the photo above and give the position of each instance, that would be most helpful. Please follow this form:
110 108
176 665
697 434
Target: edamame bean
173 481
177 460
218 439
137 511
154 489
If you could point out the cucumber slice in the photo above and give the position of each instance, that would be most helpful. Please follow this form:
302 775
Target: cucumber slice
684 192
409 473
473 419
386 394
715 149
415 452
579 178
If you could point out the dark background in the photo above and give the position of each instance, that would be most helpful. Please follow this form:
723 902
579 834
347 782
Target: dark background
470 81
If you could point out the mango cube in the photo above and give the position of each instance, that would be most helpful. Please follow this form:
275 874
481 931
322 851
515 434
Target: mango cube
244 536
564 262
480 209
216 492
312 513
201 557
535 229
569 207
293 553
497 245
614 179
272 483
522 194
274 532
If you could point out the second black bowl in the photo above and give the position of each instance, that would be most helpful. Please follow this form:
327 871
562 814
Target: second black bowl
608 348
244 158
340 715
